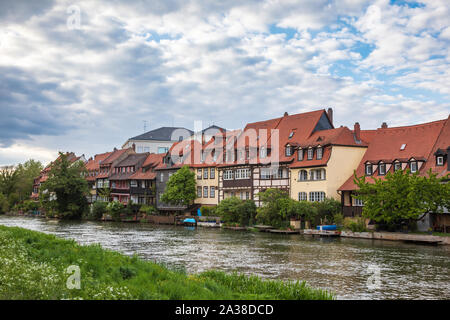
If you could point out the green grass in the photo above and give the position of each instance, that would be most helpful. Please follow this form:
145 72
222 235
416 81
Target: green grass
33 265
440 234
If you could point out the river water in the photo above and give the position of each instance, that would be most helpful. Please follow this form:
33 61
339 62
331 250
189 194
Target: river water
348 267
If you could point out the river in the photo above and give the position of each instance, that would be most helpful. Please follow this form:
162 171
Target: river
348 267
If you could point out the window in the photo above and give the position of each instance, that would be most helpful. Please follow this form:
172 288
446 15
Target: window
288 151
291 134
139 149
368 169
358 202
228 175
302 196
202 157
241 195
146 149
163 149
247 195
302 175
199 192
403 146
247 154
143 184
262 152
199 173
440 161
265 173
382 169
316 196
133 183
310 153
205 192
413 166
397 166
205 173
300 154
162 177
242 174
319 153
212 192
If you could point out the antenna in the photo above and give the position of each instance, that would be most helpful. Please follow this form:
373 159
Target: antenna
145 125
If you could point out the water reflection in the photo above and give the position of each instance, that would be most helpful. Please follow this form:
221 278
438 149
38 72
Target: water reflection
407 271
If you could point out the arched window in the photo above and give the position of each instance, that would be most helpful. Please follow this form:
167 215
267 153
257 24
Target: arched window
303 175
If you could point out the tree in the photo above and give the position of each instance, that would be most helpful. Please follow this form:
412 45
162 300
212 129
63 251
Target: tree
273 210
236 211
9 177
27 172
66 188
403 197
326 210
4 205
180 189
115 208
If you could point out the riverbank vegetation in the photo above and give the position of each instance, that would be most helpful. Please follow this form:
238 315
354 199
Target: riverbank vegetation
33 265
402 198
16 184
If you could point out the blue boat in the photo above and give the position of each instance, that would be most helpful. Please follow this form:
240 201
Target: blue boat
189 221
331 227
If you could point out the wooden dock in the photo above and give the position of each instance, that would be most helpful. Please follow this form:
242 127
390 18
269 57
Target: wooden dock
322 233
283 231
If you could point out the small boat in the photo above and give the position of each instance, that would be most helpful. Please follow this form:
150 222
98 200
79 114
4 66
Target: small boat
189 222
330 227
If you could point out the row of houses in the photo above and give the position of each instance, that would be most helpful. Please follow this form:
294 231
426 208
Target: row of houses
303 154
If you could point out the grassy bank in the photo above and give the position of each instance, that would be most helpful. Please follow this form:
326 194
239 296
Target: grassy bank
33 265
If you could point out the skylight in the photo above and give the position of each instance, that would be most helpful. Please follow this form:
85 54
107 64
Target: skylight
291 134
403 146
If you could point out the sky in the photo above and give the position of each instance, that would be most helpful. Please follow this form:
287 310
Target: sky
83 76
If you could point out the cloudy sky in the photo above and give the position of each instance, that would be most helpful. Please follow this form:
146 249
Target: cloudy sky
84 75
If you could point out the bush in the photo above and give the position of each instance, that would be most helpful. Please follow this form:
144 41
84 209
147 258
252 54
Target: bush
356 224
114 209
98 209
326 210
338 219
148 209
29 205
208 211
233 210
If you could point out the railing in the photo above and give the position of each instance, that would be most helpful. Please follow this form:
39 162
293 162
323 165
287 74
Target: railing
352 211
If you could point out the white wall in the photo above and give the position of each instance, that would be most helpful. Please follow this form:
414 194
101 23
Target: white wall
148 145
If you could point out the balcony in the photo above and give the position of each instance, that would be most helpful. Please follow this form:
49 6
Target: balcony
143 191
120 191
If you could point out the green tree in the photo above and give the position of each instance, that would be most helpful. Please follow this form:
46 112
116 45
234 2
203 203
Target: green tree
98 209
403 197
236 211
326 210
180 189
4 205
27 172
67 188
273 211
114 209
9 178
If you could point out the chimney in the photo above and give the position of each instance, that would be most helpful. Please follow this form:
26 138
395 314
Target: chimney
330 114
286 114
448 159
115 149
384 125
357 131
133 146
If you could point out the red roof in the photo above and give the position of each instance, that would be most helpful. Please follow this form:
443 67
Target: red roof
442 144
386 146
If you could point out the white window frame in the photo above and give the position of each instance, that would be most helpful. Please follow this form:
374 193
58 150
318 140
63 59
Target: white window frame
288 151
300 154
382 172
319 153
199 192
303 177
411 166
397 166
440 160
212 192
302 196
212 173
310 153
367 166
133 183
228 175
205 173
205 192
316 196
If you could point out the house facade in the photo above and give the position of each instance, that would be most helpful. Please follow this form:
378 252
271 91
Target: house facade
418 148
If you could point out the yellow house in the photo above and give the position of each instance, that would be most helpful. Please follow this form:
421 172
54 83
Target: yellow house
324 162
207 179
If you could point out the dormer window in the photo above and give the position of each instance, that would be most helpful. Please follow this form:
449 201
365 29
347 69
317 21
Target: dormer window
382 169
440 160
288 151
319 153
397 166
413 166
368 169
300 154
310 153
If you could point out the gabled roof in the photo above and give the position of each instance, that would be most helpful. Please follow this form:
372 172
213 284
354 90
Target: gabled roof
94 164
113 156
386 145
160 134
442 145
150 163
133 160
